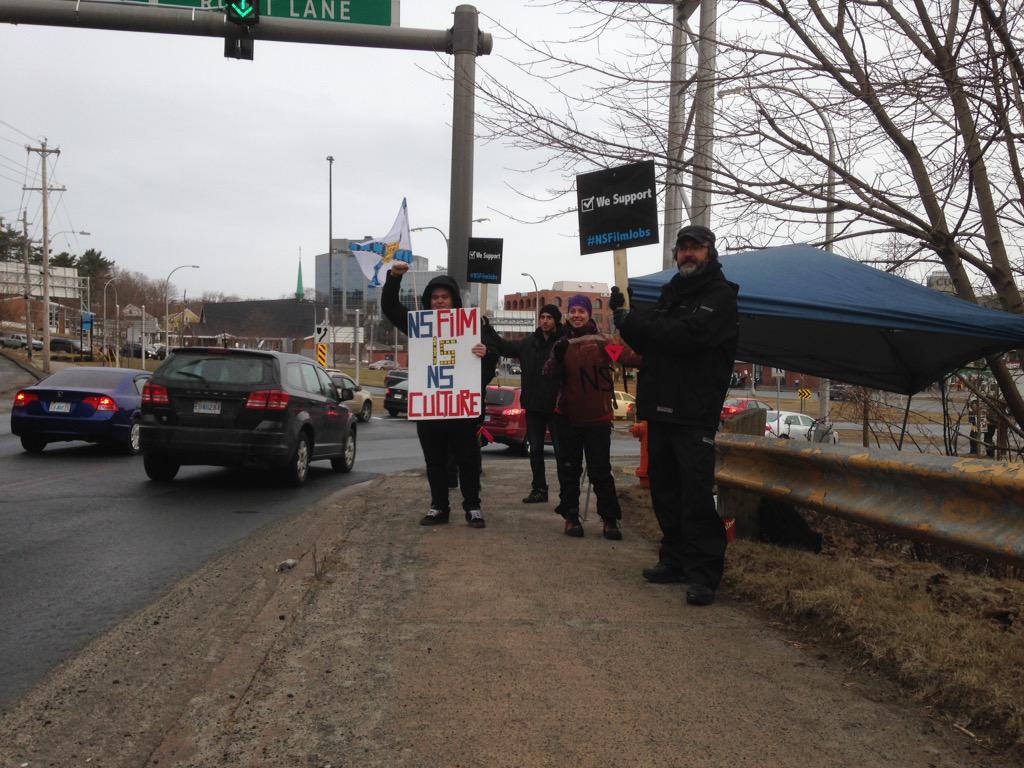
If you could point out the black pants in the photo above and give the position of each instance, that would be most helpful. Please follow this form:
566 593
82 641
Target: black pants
594 443
681 469
440 437
537 423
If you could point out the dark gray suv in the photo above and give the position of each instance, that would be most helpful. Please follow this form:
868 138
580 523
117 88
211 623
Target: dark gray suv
244 408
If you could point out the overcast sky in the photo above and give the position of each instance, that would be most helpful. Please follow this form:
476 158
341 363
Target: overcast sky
172 154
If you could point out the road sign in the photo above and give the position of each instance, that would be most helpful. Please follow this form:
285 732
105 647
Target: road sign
804 394
617 207
320 334
376 12
321 354
484 265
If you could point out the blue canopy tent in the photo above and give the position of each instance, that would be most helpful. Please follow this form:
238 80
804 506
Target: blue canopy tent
808 310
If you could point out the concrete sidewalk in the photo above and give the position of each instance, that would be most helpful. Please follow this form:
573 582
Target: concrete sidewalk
449 646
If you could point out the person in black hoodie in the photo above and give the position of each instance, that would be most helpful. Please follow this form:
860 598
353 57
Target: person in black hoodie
441 437
688 341
538 391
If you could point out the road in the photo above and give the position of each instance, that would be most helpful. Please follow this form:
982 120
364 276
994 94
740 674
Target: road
86 539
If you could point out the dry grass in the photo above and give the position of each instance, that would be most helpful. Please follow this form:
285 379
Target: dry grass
952 640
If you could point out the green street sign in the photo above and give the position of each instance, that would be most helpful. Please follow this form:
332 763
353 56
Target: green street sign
375 12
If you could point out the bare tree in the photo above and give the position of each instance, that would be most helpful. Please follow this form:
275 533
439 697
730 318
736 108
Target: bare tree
914 106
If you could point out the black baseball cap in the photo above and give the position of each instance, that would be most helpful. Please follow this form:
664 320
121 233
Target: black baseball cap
696 232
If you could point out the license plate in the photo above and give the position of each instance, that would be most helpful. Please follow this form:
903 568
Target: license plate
399 396
60 407
207 406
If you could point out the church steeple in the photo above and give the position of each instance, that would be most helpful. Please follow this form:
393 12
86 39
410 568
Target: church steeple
300 292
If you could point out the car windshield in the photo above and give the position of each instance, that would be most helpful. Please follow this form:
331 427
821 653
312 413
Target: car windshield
207 368
84 377
499 396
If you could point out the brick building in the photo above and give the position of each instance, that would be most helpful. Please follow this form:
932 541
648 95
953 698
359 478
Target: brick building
559 295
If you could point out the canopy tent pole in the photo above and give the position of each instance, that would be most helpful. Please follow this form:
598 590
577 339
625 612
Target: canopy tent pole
903 431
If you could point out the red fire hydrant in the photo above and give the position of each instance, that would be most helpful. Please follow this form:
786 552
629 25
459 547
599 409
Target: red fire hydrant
639 431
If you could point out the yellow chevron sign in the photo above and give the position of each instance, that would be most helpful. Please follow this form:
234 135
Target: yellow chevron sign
805 394
321 354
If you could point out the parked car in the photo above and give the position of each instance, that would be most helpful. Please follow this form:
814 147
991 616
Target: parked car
505 417
735 405
20 341
396 398
135 349
396 375
244 408
66 346
624 405
97 405
361 403
793 426
382 365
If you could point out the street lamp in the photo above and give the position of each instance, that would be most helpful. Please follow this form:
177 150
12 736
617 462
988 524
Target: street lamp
330 241
117 302
442 233
167 285
536 291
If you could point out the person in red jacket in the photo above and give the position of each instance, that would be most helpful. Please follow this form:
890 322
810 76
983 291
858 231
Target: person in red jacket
584 413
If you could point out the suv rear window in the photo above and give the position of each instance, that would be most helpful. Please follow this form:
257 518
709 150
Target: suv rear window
218 369
499 396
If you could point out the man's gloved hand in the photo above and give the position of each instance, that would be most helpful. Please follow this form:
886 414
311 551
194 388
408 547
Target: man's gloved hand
617 300
560 347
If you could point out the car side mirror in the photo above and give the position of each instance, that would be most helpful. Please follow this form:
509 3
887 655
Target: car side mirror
346 394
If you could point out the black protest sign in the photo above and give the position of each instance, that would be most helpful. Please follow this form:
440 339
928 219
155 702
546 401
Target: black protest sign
484 265
618 207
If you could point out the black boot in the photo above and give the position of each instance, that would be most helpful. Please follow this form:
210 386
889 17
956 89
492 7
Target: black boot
536 496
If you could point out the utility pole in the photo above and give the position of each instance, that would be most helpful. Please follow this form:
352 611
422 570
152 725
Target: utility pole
356 341
704 115
28 287
45 189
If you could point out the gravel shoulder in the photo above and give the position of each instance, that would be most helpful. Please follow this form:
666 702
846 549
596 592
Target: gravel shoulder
401 645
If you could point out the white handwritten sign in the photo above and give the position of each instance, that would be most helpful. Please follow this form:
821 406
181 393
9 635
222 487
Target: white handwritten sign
444 374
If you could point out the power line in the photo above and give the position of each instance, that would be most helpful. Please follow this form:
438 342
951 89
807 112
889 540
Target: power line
18 130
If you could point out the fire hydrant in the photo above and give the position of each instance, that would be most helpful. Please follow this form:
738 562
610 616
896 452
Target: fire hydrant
639 431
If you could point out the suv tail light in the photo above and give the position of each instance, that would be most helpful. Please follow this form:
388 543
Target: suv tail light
101 403
267 400
22 399
155 394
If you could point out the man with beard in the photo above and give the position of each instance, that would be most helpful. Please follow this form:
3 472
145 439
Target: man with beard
688 342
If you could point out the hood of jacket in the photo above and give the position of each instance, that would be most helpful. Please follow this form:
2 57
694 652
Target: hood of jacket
442 281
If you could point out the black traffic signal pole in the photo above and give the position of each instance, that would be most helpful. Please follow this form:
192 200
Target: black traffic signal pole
464 41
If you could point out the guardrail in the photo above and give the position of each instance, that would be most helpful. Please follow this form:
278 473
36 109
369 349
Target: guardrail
973 504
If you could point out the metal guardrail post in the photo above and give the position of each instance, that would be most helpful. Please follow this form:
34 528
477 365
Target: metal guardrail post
972 504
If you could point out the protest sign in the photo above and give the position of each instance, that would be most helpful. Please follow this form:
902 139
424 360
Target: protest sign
444 374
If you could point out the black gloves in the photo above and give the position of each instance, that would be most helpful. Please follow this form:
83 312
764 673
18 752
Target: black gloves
617 300
559 349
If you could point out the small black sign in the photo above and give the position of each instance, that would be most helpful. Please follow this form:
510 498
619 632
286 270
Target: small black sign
484 260
618 207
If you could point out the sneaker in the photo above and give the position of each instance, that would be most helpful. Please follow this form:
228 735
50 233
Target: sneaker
699 594
536 497
434 517
573 527
475 518
611 530
662 573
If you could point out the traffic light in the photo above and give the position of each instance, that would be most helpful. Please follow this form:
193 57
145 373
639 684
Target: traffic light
245 12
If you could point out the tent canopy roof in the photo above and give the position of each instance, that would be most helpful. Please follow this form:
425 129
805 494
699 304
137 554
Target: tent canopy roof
808 310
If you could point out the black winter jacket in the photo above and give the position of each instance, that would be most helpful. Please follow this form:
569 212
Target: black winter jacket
538 391
688 341
398 314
